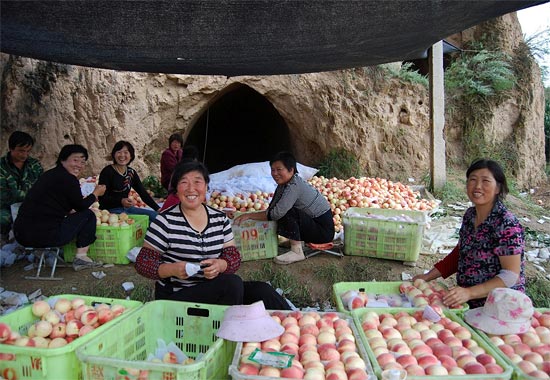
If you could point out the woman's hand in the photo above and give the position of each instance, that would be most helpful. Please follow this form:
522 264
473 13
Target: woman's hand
178 270
457 296
241 218
127 202
99 190
213 267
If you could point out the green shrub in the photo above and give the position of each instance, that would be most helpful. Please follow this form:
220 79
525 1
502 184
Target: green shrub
340 163
153 184
539 292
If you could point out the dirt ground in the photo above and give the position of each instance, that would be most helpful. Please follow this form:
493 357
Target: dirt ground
12 278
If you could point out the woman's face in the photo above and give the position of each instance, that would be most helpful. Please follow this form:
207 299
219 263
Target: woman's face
482 188
75 163
123 156
280 173
191 190
175 145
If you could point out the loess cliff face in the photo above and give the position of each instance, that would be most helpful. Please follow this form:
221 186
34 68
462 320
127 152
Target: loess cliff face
383 121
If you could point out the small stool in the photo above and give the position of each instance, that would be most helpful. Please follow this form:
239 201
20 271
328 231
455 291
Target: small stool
325 247
42 263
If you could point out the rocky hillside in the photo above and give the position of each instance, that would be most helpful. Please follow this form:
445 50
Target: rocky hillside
383 120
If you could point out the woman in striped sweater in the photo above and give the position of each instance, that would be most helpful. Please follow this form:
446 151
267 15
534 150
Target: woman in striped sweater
190 251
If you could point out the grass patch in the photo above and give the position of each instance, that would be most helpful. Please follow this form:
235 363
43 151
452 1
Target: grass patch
539 292
293 289
340 163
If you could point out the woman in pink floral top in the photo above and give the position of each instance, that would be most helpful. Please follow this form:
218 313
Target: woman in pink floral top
490 252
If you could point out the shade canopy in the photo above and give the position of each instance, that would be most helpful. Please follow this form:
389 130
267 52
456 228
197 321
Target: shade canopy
231 37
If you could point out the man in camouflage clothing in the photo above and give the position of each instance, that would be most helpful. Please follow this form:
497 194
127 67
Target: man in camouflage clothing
18 172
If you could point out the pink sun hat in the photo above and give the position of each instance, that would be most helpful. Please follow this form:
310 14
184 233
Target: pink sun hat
506 311
249 323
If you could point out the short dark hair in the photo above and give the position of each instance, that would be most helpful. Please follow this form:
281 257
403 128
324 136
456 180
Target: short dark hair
175 137
495 169
19 138
121 144
182 168
69 149
287 158
190 153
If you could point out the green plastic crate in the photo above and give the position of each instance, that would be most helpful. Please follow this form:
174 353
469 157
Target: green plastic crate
518 373
357 315
113 243
126 347
256 240
50 363
234 367
376 287
383 238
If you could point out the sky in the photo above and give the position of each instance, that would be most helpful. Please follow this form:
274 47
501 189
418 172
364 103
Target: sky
534 20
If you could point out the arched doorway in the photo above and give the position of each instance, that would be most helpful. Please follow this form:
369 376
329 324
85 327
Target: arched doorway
241 127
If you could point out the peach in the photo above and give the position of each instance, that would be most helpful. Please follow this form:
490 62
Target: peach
5 332
307 339
421 350
531 339
390 333
515 358
427 334
307 319
57 342
521 349
59 330
86 329
287 337
292 329
368 325
288 320
62 305
436 370
474 368
392 365
389 322
465 359
457 371
290 348
377 342
326 337
297 314
545 366
496 340
493 368
442 349
452 341
476 350
42 329
506 349
378 350
436 327
330 354
447 361
393 341
310 328
427 360
355 362
526 366
346 345
462 332
358 374
539 374
433 341
80 310
401 349
249 369
270 371
445 333
511 339
384 359
336 364
534 358
544 319
52 316
269 345
39 342
415 370
415 342
485 359
310 356
337 323
314 364
39 308
324 322
336 374
406 360
459 351
346 355
373 333
345 336
104 316
420 326
469 343
314 374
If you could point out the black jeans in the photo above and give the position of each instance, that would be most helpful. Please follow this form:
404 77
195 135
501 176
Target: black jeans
296 225
226 289
81 224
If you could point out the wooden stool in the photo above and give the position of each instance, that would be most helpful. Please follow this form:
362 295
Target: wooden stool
42 263
325 247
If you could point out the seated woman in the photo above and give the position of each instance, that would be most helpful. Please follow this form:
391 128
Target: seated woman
301 211
54 211
490 251
190 251
119 179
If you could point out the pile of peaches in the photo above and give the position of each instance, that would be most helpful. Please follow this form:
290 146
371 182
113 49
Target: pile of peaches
60 325
424 347
529 351
323 345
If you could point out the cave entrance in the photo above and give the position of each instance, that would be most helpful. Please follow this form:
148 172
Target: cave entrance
242 126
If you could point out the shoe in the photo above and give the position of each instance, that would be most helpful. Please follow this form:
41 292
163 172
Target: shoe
79 264
289 258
